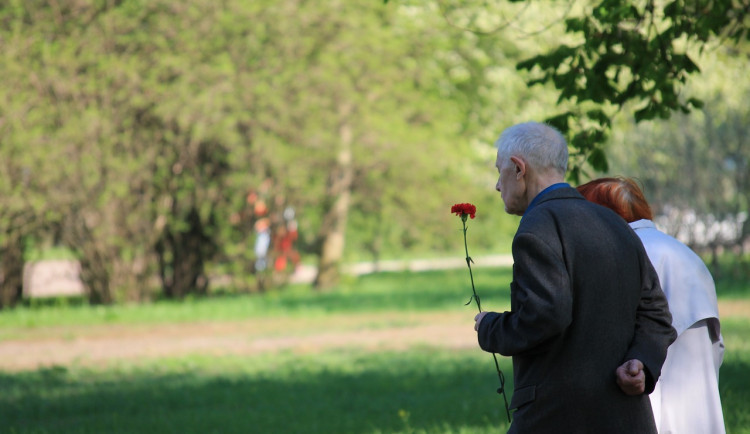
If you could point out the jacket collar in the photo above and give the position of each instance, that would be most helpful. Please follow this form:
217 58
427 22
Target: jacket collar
554 191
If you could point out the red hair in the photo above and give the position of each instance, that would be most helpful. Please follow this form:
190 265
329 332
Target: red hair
621 195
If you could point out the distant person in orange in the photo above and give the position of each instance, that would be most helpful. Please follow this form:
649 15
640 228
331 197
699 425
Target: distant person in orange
686 397
284 245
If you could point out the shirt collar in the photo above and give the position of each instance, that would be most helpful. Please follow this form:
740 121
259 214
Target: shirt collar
643 223
538 197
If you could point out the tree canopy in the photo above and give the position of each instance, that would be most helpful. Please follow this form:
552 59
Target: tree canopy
622 55
144 136
133 133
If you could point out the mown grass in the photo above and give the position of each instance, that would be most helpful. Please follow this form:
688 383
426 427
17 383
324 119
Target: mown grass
420 390
337 392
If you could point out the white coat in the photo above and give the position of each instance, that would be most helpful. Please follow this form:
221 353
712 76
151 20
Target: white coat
686 398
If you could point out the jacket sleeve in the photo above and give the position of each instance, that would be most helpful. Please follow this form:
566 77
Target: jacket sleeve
541 301
653 327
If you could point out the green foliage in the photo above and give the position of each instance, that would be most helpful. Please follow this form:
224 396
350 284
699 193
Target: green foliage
166 115
132 132
695 169
634 56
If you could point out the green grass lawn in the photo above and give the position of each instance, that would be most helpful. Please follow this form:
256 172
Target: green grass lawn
419 389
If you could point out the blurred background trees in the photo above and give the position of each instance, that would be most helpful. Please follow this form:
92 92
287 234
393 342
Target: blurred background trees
695 168
154 140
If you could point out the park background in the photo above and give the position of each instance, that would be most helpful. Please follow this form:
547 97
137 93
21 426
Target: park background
151 143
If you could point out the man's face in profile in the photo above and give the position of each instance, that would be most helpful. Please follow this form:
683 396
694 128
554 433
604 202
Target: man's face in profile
510 185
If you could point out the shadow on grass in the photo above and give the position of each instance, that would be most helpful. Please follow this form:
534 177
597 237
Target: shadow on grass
422 390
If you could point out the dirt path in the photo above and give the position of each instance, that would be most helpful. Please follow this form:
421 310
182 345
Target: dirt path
95 346
40 347
103 344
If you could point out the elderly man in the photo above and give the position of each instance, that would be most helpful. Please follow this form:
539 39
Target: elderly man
589 325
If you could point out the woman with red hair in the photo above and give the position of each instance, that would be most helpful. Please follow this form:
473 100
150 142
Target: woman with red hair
686 398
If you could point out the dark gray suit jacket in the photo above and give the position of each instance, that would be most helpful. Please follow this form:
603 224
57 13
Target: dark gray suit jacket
584 299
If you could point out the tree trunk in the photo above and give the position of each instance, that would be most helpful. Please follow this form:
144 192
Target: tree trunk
182 258
95 276
95 260
11 272
333 228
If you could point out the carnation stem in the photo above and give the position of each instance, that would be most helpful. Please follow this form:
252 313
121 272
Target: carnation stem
500 375
468 263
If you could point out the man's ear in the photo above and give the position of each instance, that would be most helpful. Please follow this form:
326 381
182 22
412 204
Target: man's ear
520 166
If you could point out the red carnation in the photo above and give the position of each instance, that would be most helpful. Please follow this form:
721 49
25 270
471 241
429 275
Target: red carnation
462 209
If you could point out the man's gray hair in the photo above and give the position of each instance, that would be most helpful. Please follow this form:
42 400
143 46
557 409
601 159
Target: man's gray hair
542 145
